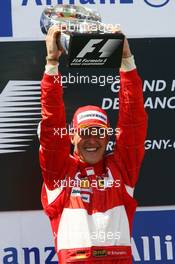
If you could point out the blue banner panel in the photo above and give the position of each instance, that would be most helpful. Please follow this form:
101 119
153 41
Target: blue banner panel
154 237
5 19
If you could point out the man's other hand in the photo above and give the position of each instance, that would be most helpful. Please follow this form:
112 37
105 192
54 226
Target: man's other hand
54 48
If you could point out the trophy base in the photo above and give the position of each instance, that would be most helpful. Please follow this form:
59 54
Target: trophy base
91 50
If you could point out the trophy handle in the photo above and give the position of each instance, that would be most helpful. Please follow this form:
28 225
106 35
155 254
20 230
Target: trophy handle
63 42
58 41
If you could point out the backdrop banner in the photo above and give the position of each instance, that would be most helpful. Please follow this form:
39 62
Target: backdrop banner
27 238
21 72
143 18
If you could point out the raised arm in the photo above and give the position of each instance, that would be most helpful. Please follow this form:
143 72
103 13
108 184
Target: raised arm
132 121
54 147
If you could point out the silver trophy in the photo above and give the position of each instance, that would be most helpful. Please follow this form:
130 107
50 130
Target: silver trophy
78 25
72 18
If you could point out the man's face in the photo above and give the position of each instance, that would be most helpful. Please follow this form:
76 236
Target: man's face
90 144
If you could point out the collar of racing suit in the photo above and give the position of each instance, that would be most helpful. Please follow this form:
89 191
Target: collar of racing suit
86 169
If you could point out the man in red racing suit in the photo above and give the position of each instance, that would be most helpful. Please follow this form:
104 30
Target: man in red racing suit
89 196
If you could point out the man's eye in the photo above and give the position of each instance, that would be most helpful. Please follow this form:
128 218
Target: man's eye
84 132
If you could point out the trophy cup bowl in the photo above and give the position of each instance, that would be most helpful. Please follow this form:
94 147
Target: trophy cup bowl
70 18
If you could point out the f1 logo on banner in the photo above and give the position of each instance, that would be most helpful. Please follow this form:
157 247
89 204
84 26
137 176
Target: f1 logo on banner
5 19
106 50
93 50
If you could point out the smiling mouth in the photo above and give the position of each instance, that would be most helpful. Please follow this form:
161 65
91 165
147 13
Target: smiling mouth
91 149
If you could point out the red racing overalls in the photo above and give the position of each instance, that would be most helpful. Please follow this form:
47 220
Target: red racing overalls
92 222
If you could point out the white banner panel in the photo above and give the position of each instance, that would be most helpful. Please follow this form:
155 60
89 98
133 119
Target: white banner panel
138 18
25 237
